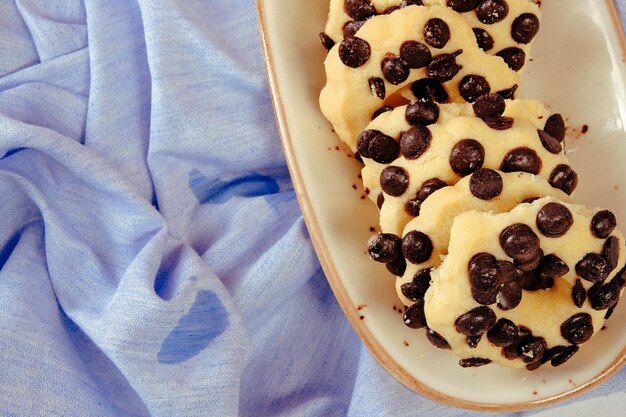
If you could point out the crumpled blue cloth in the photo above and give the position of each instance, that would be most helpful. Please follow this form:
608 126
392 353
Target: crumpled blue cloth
153 258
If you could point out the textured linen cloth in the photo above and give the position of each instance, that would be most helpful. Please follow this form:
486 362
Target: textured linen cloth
153 258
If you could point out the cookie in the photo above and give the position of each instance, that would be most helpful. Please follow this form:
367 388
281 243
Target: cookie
456 145
392 55
488 308
485 190
504 28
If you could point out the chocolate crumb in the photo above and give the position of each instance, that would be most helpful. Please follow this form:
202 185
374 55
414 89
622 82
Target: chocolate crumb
584 129
361 317
406 343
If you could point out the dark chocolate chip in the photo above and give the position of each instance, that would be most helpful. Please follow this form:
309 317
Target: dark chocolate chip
475 322
380 111
413 207
503 333
519 241
354 52
484 273
579 294
609 313
532 349
429 89
416 247
394 69
486 184
351 27
422 112
483 39
577 329
473 86
415 54
443 67
530 200
437 340
620 278
508 272
326 41
602 297
521 159
377 86
492 11
554 220
357 156
535 281
359 9
467 156
429 187
530 263
593 268
397 267
436 33
551 144
415 141
499 123
463 6
489 105
384 247
383 149
564 178
564 356
474 362
514 57
416 289
533 366
610 251
603 223
509 93
555 127
363 141
406 3
524 28
510 295
414 316
472 341
553 266
394 180
553 352
380 200
391 9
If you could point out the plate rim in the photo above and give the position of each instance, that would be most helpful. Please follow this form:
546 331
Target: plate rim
332 275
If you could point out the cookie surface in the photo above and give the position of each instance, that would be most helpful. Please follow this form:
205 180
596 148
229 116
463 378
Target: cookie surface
390 53
488 310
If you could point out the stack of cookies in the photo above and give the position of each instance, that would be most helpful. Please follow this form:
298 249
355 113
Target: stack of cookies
492 257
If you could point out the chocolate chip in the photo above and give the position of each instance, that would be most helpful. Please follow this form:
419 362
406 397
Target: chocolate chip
508 272
359 9
486 184
533 366
577 329
436 33
354 52
553 266
555 127
499 123
391 9
530 200
473 86
429 89
363 141
384 247
377 86
380 200
380 111
530 263
394 180
416 247
415 54
533 349
514 57
602 297
416 289
492 11
463 6
489 105
519 241
509 296
503 333
326 41
437 340
564 178
553 352
524 28
429 187
554 220
415 141
483 39
406 3
475 322
513 351
472 341
508 94
603 223
397 267
620 278
564 356
443 67
394 69
351 27
593 268
467 156
484 272
551 144
474 362
535 281
414 316
609 313
521 159
421 112
383 149
610 251
579 293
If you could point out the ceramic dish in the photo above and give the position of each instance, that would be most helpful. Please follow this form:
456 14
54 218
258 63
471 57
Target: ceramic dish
578 68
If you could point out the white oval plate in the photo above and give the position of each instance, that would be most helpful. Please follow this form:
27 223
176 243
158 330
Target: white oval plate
578 68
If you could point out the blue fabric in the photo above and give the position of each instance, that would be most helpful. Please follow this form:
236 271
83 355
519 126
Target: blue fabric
153 258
